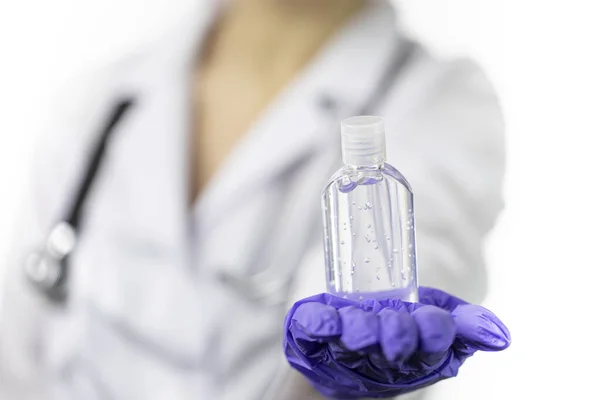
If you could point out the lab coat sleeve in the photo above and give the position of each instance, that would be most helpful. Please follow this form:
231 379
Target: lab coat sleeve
26 318
21 320
25 315
446 135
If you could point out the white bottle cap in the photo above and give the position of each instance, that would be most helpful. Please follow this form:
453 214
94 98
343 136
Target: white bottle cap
363 141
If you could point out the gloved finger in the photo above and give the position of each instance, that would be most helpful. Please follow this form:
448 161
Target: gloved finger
480 329
360 329
437 329
317 320
398 334
439 298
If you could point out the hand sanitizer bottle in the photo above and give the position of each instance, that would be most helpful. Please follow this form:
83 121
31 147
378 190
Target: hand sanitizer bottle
368 220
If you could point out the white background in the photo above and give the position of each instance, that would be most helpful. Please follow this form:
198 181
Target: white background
543 58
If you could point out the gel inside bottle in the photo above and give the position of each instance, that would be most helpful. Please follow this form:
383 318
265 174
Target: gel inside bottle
369 233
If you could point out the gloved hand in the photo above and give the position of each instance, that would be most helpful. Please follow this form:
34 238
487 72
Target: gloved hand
384 348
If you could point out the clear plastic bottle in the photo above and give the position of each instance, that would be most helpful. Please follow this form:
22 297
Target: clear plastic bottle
369 232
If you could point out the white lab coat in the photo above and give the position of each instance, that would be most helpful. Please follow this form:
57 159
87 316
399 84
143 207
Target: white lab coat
149 315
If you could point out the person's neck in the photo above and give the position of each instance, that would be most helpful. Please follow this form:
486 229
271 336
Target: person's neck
257 30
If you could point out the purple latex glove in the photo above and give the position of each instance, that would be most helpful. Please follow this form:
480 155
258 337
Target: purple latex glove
384 348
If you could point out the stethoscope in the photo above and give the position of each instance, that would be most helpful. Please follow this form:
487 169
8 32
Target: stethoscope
47 268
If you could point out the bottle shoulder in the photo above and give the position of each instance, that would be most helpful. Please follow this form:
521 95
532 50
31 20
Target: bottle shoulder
393 173
348 177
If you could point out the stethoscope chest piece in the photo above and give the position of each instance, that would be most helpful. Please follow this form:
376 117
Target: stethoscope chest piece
47 267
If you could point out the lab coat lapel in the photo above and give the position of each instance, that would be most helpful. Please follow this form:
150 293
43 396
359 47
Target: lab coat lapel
153 145
131 265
